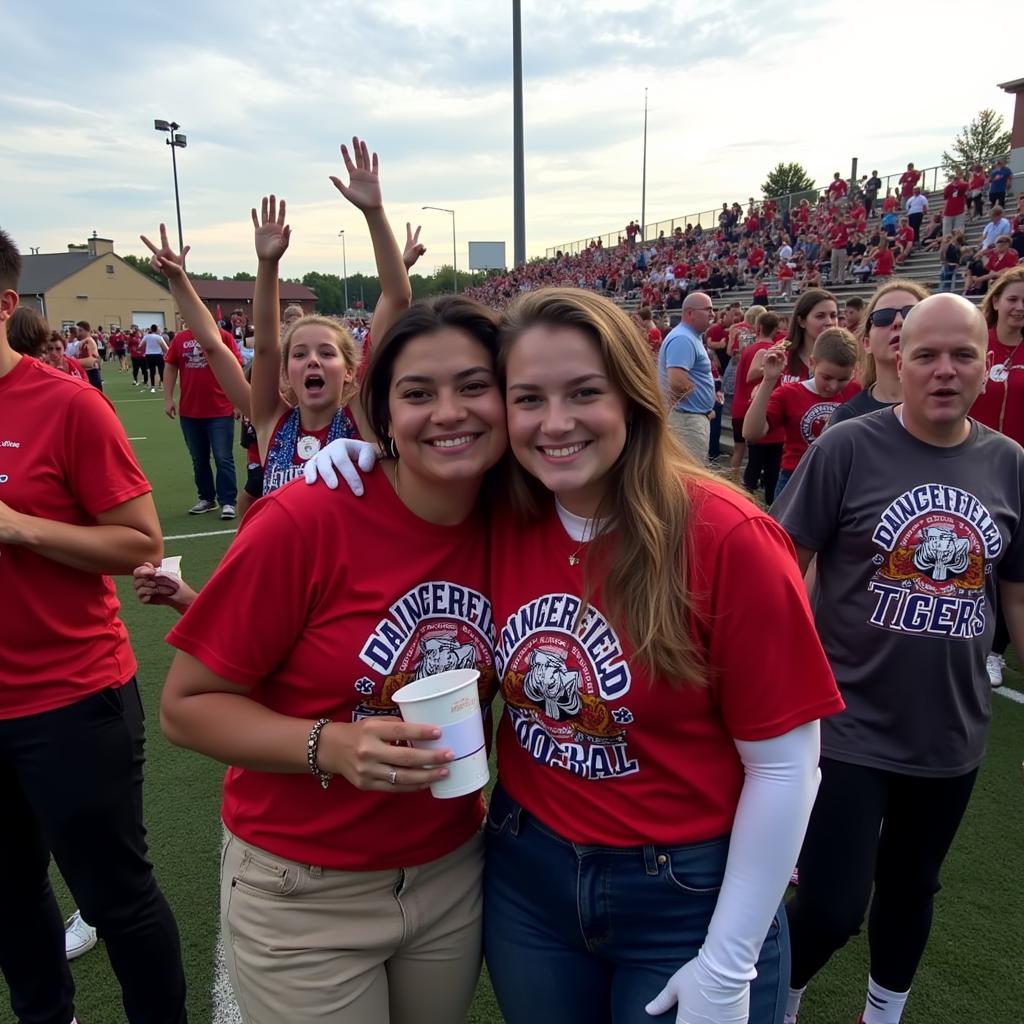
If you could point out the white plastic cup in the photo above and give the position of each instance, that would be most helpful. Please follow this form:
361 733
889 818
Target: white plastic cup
450 701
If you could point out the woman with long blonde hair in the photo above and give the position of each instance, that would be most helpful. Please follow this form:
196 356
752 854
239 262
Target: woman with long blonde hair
635 789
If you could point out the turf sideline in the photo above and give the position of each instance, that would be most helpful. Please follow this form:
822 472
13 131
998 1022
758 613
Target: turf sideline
211 533
1005 691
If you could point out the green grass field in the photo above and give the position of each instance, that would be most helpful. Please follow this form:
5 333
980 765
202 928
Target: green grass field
972 972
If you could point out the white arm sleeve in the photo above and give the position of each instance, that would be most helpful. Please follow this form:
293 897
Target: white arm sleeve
775 805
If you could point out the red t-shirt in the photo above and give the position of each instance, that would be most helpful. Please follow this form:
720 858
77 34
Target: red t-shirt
884 261
804 414
837 189
756 258
977 181
201 395
75 368
354 597
905 236
839 236
744 392
593 746
60 636
908 179
955 194
785 270
890 203
997 262
1007 372
716 333
654 339
137 347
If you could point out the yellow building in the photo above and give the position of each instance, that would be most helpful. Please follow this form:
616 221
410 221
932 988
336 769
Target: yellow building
90 282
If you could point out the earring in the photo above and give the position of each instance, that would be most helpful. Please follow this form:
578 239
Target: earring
392 448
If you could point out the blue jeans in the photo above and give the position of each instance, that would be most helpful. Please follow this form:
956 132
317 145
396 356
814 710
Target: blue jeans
202 435
947 279
590 934
783 480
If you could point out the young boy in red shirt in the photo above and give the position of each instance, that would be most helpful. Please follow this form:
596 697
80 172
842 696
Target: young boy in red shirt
803 407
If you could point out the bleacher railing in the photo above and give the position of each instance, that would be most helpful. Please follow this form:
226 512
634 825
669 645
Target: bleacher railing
932 179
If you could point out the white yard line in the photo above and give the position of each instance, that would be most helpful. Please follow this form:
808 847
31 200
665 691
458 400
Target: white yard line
1015 695
138 438
211 533
125 401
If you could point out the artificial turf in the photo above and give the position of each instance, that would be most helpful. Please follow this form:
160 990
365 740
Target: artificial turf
971 973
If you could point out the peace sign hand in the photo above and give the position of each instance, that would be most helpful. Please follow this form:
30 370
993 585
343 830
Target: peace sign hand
413 249
164 259
363 189
272 234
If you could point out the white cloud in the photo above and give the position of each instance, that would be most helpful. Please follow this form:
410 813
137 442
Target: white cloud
266 98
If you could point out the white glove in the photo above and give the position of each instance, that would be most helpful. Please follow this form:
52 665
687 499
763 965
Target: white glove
700 998
343 455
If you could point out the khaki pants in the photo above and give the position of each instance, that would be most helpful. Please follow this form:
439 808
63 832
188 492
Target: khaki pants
694 431
306 944
837 267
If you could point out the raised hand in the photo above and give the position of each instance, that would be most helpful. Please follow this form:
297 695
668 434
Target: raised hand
164 259
413 249
272 235
363 189
774 364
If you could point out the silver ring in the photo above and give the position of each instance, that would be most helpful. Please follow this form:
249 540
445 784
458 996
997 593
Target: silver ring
393 776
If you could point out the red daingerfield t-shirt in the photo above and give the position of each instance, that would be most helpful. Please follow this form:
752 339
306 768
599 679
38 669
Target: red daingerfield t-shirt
61 639
201 395
804 414
593 746
348 599
994 407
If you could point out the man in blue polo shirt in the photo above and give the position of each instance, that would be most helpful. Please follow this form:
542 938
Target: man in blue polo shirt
685 373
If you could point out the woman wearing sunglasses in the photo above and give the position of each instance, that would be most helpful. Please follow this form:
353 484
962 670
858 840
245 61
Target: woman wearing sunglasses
879 336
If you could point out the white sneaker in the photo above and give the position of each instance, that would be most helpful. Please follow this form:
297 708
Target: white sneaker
227 511
152 391
995 663
79 937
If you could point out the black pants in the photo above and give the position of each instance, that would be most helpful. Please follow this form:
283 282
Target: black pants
154 365
914 220
71 785
763 464
872 826
139 366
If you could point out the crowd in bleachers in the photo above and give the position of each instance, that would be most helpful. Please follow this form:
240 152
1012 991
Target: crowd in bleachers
848 235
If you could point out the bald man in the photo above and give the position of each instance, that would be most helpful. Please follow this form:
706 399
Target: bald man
684 369
916 516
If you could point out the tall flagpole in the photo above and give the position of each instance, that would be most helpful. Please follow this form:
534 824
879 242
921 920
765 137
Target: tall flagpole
518 178
643 188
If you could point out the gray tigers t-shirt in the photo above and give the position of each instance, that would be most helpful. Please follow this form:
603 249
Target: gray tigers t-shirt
911 541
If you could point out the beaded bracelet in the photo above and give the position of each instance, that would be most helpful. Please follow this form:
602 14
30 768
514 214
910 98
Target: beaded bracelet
311 750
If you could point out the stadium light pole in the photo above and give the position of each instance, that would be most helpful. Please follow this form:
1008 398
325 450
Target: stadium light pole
518 176
643 183
175 141
455 273
344 266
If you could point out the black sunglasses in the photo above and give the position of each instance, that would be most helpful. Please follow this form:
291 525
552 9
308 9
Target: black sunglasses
885 317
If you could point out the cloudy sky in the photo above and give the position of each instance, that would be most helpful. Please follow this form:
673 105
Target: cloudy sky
266 91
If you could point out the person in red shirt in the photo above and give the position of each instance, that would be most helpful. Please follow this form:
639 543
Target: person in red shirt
71 721
1001 259
904 241
137 355
908 179
803 408
55 356
1001 404
890 204
883 259
837 188
207 419
650 331
321 770
839 238
764 457
954 210
815 310
614 739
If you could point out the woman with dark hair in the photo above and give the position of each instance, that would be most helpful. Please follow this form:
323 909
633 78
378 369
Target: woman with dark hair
816 310
346 888
54 354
